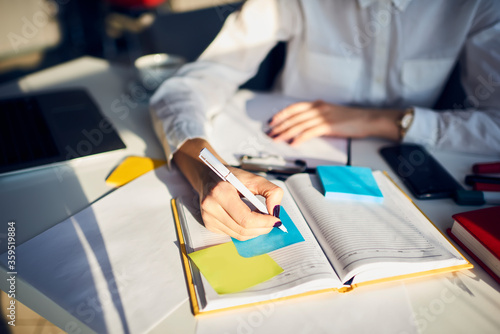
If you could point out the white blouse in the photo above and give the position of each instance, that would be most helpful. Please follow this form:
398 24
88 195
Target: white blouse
370 53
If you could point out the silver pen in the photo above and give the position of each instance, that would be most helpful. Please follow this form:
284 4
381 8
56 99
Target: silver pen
225 174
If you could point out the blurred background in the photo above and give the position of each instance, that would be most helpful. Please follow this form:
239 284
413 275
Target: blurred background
36 34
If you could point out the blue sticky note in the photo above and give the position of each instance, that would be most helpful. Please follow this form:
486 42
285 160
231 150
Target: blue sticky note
274 240
349 182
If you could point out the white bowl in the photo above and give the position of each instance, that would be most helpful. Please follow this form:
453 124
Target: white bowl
153 69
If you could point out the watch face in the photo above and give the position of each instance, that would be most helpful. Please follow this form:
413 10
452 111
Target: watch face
406 121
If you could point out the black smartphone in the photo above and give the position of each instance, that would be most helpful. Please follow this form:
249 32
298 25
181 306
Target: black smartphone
422 174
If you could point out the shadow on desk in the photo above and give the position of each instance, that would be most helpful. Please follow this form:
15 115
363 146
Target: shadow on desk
61 190
114 266
53 194
85 267
44 264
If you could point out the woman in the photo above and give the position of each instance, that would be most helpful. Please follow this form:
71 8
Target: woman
363 68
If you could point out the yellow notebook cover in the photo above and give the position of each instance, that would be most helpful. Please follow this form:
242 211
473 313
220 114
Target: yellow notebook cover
192 290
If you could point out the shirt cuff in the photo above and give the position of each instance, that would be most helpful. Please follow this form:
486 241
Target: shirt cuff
424 128
173 136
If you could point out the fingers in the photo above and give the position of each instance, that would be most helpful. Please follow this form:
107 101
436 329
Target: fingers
289 111
293 120
219 221
223 211
315 131
298 118
260 186
271 192
294 130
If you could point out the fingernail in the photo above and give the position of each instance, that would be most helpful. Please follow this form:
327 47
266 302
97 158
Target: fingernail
269 120
268 131
278 224
289 141
274 136
276 211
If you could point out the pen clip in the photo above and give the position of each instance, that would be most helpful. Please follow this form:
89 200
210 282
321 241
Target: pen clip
211 161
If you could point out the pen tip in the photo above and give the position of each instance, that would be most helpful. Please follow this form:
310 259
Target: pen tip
281 227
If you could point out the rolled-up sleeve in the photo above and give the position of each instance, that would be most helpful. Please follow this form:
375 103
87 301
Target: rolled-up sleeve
182 105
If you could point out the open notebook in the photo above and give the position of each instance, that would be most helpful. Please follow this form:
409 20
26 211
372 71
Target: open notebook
347 244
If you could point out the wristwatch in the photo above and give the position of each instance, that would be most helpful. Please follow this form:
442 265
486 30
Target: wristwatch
405 121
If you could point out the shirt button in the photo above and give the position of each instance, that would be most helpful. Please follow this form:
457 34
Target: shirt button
383 18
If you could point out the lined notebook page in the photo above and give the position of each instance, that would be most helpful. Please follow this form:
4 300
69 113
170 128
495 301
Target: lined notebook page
373 240
306 268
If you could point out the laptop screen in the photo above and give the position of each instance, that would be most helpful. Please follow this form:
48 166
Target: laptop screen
46 128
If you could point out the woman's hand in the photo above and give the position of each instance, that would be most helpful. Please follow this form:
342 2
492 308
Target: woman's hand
222 209
304 120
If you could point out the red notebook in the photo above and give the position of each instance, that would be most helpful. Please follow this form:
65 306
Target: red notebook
478 233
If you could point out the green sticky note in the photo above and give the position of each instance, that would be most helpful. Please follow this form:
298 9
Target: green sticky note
228 272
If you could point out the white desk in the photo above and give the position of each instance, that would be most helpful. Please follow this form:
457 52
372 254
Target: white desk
40 199
460 302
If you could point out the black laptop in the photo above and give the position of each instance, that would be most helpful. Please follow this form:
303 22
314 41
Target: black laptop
46 128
